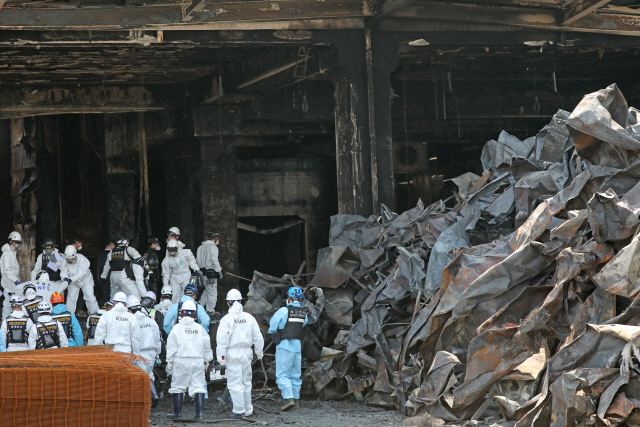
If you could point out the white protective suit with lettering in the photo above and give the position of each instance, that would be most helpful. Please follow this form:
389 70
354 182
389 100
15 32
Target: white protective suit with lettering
188 348
81 280
117 327
10 271
149 344
175 271
237 332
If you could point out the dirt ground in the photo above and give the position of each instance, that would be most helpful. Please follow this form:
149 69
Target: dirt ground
311 413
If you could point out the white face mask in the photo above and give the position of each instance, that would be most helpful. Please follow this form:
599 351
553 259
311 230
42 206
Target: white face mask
158 248
79 247
15 247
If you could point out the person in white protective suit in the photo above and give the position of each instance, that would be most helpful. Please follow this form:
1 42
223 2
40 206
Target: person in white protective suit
117 326
166 300
149 344
188 356
16 327
40 289
78 268
47 332
124 277
175 268
51 262
207 258
237 332
10 271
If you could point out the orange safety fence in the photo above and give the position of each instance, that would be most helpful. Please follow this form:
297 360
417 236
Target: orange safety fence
75 386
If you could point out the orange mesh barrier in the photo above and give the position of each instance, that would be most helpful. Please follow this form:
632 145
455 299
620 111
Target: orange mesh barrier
76 386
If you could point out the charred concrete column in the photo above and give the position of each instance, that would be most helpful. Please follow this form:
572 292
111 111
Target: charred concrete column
353 145
181 190
120 168
382 59
47 195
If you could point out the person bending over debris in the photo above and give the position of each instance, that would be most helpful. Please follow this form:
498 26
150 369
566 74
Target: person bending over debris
236 333
47 332
189 348
286 328
117 326
16 327
78 268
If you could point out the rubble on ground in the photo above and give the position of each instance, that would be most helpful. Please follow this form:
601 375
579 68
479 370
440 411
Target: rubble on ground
522 295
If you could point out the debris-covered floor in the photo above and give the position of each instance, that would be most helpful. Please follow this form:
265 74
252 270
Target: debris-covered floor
311 413
516 298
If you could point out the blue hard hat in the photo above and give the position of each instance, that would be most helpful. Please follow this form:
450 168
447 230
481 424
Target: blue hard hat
294 292
190 290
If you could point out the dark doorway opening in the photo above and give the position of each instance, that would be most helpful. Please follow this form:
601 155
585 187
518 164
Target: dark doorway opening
275 247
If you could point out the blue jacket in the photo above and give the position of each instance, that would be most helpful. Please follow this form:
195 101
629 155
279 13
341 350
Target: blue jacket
77 340
3 345
278 321
172 316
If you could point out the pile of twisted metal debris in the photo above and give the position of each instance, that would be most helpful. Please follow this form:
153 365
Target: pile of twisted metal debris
523 297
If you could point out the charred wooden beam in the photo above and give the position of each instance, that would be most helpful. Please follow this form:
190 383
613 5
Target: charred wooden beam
164 17
195 7
581 9
24 101
523 17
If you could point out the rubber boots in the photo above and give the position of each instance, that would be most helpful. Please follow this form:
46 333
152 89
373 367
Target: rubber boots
154 395
199 406
178 399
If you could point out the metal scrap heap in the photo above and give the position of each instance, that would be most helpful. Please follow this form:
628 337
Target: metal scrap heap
524 297
74 386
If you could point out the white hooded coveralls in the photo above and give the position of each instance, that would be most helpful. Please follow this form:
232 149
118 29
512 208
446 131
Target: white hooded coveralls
207 257
33 333
117 327
237 332
119 279
163 306
81 279
16 315
175 271
10 270
60 263
188 348
149 344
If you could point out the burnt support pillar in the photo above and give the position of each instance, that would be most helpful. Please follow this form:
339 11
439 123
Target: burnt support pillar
48 194
215 206
382 59
363 122
353 144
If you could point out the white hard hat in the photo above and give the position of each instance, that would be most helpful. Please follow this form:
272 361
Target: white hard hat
70 252
16 300
132 301
150 294
44 307
120 297
234 295
166 290
14 236
174 230
189 305
173 244
43 276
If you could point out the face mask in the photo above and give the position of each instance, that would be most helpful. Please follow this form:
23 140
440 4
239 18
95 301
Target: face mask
173 253
48 252
158 248
216 242
15 247
80 247
71 260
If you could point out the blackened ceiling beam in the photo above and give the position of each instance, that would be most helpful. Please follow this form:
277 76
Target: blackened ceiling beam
581 8
31 101
522 17
241 14
193 8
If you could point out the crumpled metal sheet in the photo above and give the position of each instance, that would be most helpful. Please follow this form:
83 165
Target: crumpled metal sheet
621 275
502 151
336 268
611 219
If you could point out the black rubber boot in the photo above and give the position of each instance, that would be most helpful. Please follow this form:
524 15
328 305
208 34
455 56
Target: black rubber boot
154 395
199 406
178 398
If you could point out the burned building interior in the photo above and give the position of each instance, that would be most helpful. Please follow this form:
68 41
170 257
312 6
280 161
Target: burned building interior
263 119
